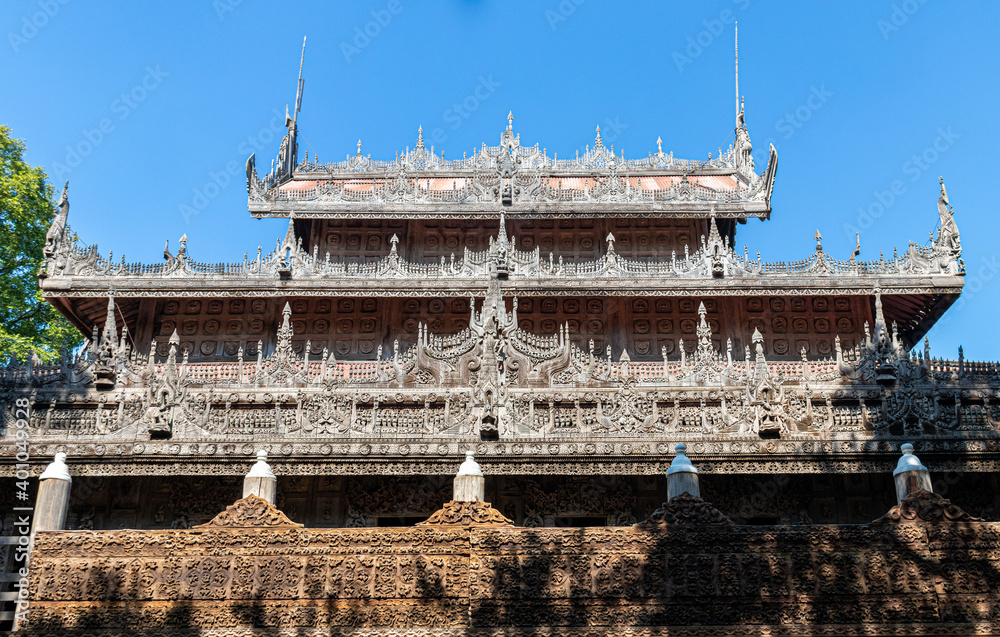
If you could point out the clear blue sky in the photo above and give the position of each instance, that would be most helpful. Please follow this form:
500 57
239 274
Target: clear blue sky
854 95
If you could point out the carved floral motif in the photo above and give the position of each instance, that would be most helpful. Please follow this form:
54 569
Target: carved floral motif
686 509
465 514
251 511
925 507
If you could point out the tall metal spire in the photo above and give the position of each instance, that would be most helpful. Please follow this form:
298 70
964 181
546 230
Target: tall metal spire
298 90
736 42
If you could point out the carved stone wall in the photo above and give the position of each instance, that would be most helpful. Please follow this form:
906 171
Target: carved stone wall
888 579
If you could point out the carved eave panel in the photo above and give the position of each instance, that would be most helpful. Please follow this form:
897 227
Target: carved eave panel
803 285
490 211
515 457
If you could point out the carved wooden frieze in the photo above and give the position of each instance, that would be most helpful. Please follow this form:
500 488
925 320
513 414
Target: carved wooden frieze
871 580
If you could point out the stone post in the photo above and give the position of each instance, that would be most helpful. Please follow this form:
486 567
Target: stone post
261 481
53 496
470 485
910 476
682 476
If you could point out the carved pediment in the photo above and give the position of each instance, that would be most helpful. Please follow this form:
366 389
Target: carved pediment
466 514
251 511
925 507
686 509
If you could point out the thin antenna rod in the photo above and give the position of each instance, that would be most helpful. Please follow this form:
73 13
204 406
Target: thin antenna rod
737 43
298 90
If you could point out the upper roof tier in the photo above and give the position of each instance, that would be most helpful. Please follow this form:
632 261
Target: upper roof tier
524 181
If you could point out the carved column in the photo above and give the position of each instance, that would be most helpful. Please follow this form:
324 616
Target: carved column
53 496
470 484
910 475
682 476
260 481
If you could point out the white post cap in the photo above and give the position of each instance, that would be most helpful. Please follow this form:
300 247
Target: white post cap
681 463
261 469
908 461
470 467
57 469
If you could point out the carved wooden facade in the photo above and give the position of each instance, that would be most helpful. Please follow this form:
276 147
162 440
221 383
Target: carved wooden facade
569 320
927 568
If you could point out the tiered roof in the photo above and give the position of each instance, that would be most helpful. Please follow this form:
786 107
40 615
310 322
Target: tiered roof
524 180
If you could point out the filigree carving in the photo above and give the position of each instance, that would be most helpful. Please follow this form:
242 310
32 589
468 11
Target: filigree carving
925 507
687 509
466 514
250 512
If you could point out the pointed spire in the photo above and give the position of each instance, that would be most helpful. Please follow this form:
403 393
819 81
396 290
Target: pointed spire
713 229
420 138
879 316
110 335
359 148
659 145
598 143
736 46
289 242
286 315
56 232
510 120
298 90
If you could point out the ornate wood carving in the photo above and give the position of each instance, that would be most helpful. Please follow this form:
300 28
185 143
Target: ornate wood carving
438 580
466 514
686 509
250 512
924 506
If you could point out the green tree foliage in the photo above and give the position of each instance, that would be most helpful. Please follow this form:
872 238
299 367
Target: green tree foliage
27 323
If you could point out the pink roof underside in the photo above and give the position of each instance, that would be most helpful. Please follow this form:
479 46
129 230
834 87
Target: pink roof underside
712 182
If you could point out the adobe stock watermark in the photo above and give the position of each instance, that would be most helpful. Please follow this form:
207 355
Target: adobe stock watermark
122 107
977 278
217 180
365 33
714 28
223 7
459 112
899 15
794 120
23 513
612 129
563 11
33 23
914 168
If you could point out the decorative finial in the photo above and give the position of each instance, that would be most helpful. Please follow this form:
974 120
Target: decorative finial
470 467
57 469
510 120
819 241
261 469
659 145
359 147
